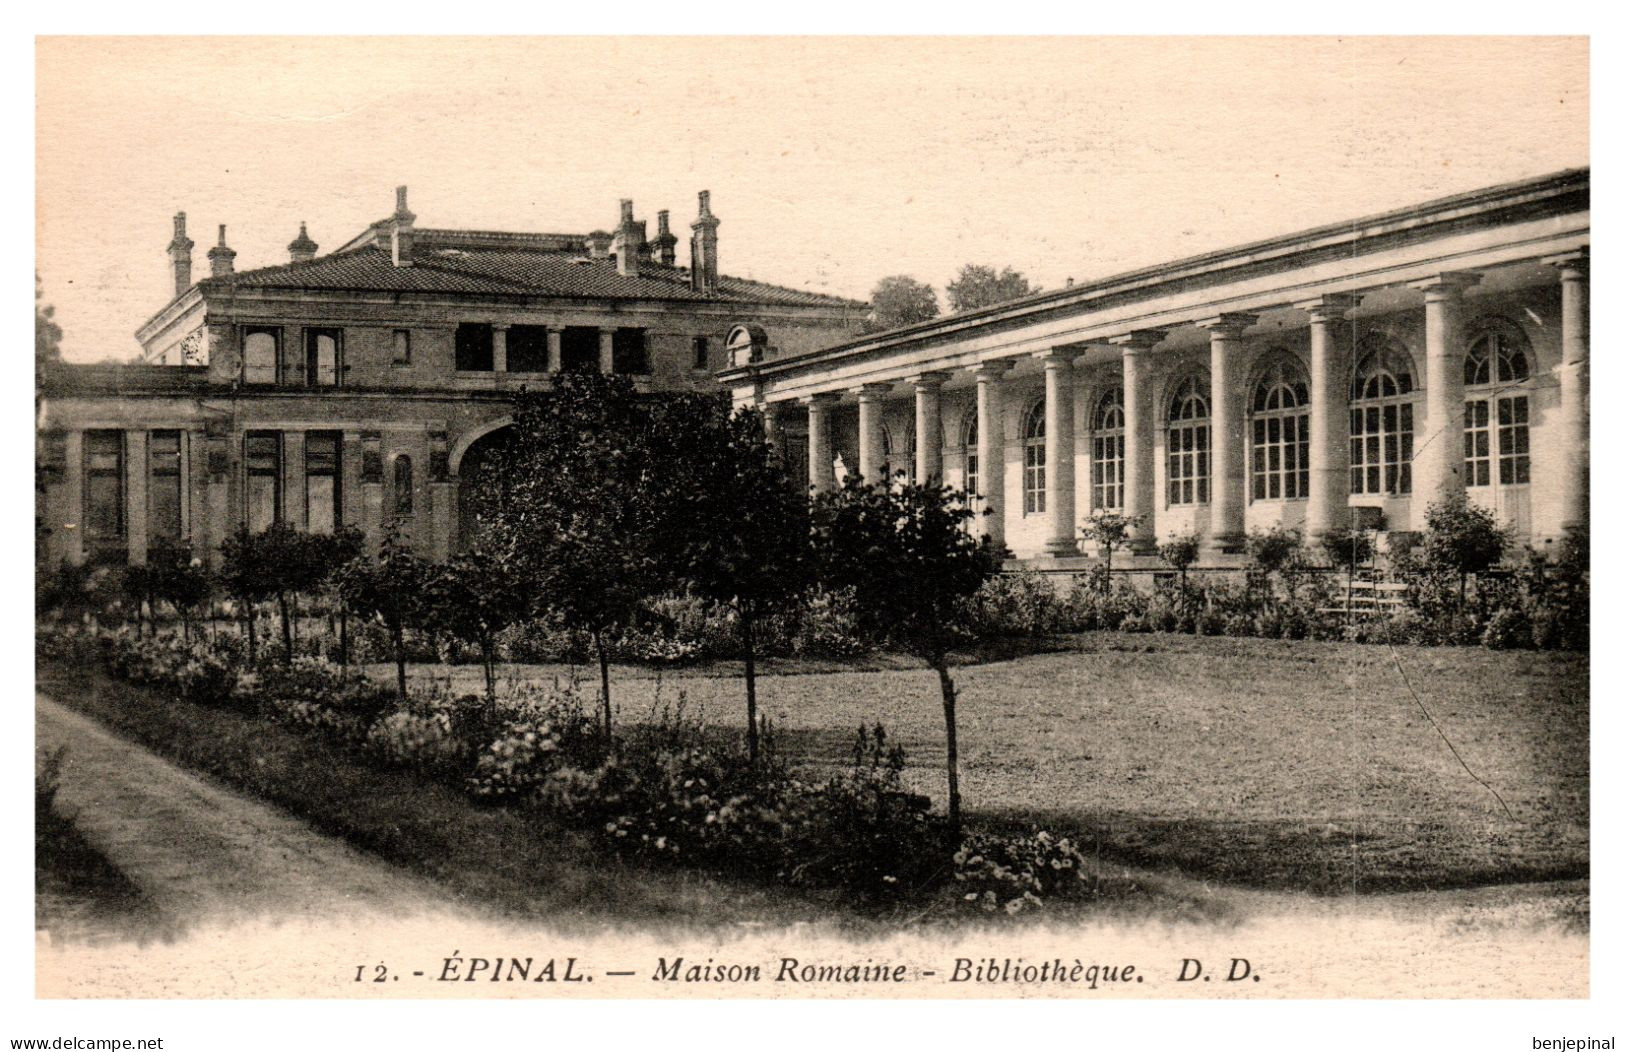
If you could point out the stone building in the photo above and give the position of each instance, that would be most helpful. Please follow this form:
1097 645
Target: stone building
1348 374
360 386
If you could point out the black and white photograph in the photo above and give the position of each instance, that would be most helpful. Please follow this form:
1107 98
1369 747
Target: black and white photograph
887 518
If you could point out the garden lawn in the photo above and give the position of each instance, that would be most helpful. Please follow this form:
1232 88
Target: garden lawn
1261 762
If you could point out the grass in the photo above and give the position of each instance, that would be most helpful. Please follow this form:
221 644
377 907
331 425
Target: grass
1272 764
78 893
516 863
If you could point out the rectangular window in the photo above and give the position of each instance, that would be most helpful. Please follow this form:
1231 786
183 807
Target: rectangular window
323 367
527 349
1188 464
631 352
474 348
1380 449
1281 457
403 346
164 525
262 467
262 355
104 488
972 473
1032 480
1108 471
1512 439
322 460
1476 439
702 353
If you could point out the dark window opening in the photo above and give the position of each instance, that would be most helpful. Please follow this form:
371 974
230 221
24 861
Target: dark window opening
164 525
262 353
402 502
104 489
322 365
702 353
579 350
527 349
631 352
474 354
262 463
403 346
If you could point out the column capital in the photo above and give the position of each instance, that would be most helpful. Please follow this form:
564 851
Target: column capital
991 369
767 408
1330 306
1572 265
1447 284
1228 324
1058 357
555 328
871 392
501 326
821 400
1138 339
928 381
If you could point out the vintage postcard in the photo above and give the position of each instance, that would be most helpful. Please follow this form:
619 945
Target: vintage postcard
839 517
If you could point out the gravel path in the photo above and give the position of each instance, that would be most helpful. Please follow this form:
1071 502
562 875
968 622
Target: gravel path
203 854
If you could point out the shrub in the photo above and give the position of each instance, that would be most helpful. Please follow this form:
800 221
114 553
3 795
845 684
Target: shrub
1509 628
1013 874
1017 604
1346 547
424 741
325 685
1180 552
47 780
1273 549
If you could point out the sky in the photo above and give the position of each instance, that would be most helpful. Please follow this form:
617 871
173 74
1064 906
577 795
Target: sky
832 161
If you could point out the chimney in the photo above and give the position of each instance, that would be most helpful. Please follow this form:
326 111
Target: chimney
301 249
702 247
628 244
180 255
220 257
400 233
598 243
666 242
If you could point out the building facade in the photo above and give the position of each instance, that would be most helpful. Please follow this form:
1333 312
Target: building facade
1350 374
359 387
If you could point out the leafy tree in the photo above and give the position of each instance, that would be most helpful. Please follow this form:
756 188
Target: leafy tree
1347 548
47 333
1273 550
1180 552
1462 538
1109 530
333 552
742 529
911 564
574 500
474 597
981 286
391 589
180 580
900 300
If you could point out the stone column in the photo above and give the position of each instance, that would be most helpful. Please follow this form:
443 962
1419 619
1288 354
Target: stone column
1329 381
499 348
1574 388
820 442
72 524
1139 438
871 440
773 428
443 527
555 348
606 351
1060 461
1437 470
135 496
928 427
294 510
1227 527
990 448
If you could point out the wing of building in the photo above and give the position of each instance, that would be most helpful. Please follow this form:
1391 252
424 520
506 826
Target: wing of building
1349 374
356 387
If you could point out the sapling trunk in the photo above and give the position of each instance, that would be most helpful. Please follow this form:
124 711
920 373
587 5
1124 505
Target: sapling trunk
287 627
603 676
939 661
344 635
748 635
488 656
399 637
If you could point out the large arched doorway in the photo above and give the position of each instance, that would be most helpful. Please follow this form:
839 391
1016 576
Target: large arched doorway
480 476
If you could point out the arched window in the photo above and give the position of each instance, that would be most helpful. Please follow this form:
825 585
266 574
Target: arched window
1106 451
1281 432
1497 378
968 439
402 497
1188 443
1032 460
1381 418
261 355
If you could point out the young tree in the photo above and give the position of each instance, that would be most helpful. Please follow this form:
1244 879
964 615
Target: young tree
1462 538
333 552
574 500
390 589
474 597
982 286
900 300
1347 548
181 581
1109 530
1272 551
742 530
1180 552
911 565
245 577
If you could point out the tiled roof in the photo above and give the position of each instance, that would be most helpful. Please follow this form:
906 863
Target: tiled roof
480 268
